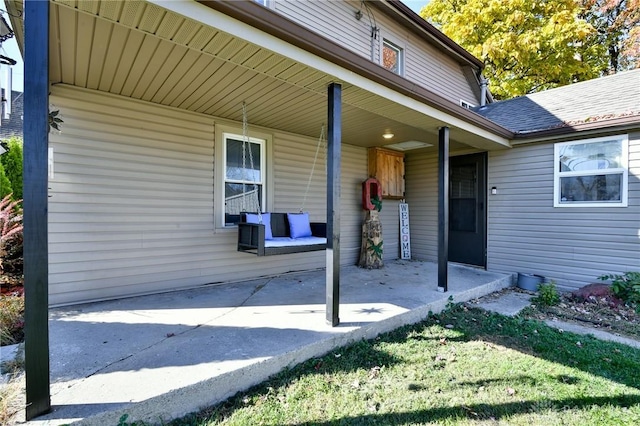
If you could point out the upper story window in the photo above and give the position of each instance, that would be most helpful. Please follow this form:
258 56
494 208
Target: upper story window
591 172
392 57
466 104
263 2
244 166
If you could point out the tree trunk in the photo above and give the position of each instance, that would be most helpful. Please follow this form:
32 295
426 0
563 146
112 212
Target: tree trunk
371 247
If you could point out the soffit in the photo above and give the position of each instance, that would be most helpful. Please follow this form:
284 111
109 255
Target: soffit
143 51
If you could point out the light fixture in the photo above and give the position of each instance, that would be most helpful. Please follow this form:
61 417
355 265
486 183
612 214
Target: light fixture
387 135
358 14
408 145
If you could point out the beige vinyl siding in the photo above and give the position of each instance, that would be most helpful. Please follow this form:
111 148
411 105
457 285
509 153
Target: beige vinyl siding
572 246
334 20
421 169
390 219
131 201
354 172
424 64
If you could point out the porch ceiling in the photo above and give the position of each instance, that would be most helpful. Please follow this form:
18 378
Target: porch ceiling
143 51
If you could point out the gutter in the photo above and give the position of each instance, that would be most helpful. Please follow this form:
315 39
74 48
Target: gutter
611 125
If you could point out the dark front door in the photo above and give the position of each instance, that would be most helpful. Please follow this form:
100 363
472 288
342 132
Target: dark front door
467 209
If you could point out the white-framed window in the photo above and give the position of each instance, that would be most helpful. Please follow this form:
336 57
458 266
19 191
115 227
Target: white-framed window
242 172
392 57
591 172
465 104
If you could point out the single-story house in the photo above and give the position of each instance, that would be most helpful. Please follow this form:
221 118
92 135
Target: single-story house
145 177
178 115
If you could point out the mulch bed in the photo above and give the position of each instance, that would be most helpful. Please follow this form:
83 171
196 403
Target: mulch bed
592 306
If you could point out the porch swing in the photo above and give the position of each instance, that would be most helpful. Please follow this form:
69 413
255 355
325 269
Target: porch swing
271 233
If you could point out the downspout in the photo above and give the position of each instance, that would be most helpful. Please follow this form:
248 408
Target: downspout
483 90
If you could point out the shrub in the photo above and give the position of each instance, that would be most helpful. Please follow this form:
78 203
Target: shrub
10 235
5 183
625 287
547 294
11 319
12 163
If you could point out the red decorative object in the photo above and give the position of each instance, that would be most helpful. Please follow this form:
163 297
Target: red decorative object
371 188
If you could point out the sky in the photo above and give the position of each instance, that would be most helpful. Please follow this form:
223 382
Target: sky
415 5
10 48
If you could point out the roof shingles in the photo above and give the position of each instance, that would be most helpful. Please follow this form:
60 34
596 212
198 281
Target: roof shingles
599 100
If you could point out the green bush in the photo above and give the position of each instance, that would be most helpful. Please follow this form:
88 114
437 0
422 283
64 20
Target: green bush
625 287
547 294
11 319
5 183
12 163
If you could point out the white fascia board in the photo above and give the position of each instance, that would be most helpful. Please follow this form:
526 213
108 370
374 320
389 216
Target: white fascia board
241 30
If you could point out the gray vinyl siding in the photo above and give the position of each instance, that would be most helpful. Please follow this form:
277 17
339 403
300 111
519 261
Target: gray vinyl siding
421 171
572 246
424 64
131 201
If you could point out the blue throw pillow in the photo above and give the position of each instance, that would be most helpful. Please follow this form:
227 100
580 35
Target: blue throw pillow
299 226
266 221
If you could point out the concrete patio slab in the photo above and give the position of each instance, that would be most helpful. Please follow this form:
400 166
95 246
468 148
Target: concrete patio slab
162 356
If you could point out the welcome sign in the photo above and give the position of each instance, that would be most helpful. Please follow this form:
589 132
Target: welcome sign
405 236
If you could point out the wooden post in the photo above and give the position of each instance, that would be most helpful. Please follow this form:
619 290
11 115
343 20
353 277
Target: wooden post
371 245
36 262
334 140
443 208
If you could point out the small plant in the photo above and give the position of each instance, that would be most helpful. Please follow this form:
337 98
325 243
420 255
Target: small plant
547 294
625 287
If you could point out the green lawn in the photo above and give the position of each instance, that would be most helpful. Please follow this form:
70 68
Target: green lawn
461 367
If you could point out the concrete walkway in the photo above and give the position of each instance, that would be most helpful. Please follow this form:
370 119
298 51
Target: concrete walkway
159 357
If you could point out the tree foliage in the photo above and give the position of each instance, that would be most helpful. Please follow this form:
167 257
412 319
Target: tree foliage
526 45
617 23
12 163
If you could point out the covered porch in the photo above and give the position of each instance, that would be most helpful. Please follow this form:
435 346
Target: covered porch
144 89
161 356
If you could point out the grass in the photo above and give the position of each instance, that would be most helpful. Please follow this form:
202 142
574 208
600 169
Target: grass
461 367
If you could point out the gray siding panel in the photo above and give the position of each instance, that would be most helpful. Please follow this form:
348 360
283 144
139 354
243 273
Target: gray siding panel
131 207
572 246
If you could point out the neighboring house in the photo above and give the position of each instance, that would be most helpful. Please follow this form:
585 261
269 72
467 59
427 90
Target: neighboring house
12 126
151 93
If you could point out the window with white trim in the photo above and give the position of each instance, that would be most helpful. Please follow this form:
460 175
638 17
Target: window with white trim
591 172
392 57
244 176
